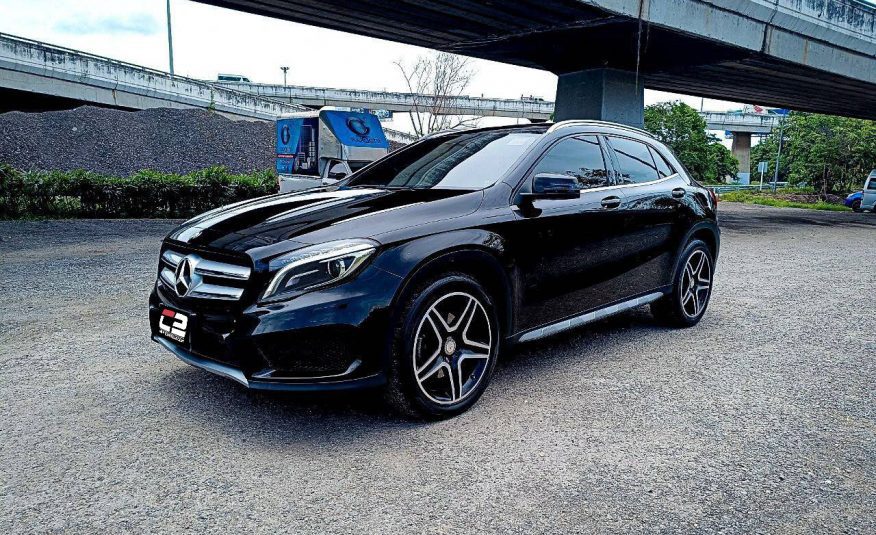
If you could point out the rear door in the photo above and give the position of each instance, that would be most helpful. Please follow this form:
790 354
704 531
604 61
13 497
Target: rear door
652 219
565 246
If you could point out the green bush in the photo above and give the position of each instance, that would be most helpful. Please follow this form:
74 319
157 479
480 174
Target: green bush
767 199
65 194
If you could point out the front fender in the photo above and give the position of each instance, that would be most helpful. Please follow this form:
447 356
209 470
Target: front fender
403 259
478 252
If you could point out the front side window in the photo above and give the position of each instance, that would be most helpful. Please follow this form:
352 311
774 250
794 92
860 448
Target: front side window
579 157
464 161
872 184
634 160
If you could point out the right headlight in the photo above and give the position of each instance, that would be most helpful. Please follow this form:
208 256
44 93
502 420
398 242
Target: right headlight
316 266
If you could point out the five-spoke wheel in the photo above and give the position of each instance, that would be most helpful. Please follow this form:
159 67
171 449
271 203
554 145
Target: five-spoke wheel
691 287
452 348
445 348
696 282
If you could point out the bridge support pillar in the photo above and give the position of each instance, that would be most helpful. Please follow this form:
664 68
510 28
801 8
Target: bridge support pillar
741 149
601 94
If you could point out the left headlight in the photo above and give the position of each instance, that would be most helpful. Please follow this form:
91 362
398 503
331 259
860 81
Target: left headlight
316 266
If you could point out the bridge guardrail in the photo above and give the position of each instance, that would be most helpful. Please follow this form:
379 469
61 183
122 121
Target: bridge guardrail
743 187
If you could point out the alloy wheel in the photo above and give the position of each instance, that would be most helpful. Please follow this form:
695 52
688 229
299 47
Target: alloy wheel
452 348
696 283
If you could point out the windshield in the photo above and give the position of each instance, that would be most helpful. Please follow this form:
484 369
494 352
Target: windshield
466 161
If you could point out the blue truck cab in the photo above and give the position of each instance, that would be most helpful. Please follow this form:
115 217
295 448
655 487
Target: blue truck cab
322 147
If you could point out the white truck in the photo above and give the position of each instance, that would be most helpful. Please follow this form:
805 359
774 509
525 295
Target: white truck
322 147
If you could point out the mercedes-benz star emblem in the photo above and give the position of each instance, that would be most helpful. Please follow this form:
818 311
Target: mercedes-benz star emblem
183 276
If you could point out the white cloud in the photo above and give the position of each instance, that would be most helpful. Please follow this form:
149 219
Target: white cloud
134 23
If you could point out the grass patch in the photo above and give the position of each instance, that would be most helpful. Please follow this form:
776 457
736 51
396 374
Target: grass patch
766 199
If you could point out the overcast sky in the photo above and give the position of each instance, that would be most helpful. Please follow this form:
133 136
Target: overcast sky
208 40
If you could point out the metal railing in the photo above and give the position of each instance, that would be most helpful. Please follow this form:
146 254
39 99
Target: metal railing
745 187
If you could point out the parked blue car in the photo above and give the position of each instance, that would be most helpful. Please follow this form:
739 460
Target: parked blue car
853 201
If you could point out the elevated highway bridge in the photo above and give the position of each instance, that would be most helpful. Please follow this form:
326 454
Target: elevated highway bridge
808 55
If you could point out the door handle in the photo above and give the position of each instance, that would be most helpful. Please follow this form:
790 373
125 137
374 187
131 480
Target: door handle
611 202
678 193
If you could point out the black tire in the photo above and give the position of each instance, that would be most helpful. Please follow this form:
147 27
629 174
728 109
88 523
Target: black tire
416 333
856 206
676 309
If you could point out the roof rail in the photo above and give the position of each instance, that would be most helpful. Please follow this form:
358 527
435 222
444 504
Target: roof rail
439 133
589 122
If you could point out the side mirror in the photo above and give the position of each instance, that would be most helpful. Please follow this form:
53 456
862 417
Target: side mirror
554 186
337 176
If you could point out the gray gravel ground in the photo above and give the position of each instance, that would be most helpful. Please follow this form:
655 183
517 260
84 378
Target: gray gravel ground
760 419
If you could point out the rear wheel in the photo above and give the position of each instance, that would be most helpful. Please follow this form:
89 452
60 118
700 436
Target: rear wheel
444 349
685 305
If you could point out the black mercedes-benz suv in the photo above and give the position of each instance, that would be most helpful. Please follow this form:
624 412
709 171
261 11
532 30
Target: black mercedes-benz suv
415 272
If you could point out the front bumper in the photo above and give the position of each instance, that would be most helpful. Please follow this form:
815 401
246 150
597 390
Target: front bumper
332 339
338 382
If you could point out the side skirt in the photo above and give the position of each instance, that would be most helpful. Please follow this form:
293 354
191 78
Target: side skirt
589 317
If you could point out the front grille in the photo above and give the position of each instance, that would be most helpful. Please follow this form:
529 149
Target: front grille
203 278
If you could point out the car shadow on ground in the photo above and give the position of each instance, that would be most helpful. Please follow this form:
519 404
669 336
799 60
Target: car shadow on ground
283 418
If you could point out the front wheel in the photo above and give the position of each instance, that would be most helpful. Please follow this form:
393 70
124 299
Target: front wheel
685 305
444 348
856 206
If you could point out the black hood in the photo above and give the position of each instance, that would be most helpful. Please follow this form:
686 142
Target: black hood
319 215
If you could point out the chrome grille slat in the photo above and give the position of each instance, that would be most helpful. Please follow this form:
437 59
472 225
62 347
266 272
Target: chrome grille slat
213 291
171 258
196 270
222 270
167 276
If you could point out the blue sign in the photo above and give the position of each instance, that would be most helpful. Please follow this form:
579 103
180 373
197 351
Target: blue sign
288 135
356 129
288 138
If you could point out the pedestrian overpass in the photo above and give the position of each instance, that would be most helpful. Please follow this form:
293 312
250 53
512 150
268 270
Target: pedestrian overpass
317 97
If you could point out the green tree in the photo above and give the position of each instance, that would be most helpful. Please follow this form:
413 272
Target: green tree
830 154
681 128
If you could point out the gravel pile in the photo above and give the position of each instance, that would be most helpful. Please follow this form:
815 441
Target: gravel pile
117 142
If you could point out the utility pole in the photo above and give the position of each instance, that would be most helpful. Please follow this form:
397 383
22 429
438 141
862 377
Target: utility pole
285 70
779 153
169 39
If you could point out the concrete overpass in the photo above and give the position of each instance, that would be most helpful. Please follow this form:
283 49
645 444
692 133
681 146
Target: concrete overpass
538 110
742 126
808 55
750 123
36 76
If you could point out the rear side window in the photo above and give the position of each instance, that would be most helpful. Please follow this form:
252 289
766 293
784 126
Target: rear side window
634 161
663 166
579 157
872 184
